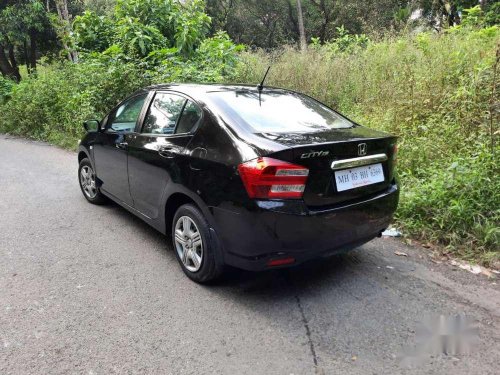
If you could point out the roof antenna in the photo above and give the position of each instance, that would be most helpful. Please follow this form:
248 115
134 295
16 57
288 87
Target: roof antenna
260 87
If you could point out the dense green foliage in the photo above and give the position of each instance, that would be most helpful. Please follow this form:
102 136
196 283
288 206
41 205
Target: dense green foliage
436 91
25 29
54 105
139 27
6 86
142 42
165 38
456 204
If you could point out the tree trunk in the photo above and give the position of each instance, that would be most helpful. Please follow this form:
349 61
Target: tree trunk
302 31
26 56
5 67
270 24
291 18
63 13
326 11
450 12
8 69
225 14
13 63
32 54
322 32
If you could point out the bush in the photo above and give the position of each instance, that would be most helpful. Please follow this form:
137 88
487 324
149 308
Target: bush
164 38
6 86
141 27
458 207
215 60
53 105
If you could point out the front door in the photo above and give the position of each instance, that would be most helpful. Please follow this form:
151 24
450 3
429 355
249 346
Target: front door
110 149
156 154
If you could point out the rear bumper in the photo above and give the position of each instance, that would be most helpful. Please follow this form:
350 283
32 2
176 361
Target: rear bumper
252 236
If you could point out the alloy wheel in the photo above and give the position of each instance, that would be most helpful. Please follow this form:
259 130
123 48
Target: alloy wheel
188 243
87 180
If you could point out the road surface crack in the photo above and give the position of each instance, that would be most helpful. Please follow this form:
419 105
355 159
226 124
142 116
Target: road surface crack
305 322
308 331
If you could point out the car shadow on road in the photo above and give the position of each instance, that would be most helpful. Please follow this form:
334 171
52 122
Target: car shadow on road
131 220
319 273
278 283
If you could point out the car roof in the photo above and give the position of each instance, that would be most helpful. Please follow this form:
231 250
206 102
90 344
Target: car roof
197 89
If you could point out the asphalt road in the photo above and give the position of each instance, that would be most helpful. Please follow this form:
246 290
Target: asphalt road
93 290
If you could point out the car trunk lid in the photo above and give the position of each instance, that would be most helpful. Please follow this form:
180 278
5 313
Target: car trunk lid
339 150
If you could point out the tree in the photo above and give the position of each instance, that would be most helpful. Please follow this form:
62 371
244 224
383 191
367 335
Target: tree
8 63
327 10
100 7
270 24
139 27
24 25
93 32
65 29
221 11
265 24
443 13
302 32
32 24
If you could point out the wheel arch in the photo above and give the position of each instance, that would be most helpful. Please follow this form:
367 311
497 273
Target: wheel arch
82 155
178 199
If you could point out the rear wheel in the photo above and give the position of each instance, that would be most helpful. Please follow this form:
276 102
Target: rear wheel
87 179
194 247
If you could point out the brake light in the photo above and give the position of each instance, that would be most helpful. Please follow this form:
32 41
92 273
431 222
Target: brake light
280 262
269 178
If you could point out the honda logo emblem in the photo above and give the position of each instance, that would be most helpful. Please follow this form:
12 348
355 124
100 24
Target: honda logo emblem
362 149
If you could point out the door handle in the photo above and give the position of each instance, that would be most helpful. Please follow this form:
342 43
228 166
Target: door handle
166 152
122 145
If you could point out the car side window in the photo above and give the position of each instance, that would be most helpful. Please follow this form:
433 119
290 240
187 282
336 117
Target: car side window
163 114
125 117
189 118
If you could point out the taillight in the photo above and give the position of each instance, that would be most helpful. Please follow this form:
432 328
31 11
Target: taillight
269 178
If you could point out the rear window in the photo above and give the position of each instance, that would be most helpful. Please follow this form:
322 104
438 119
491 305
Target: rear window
279 112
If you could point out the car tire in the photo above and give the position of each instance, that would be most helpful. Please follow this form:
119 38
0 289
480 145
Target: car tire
194 245
87 181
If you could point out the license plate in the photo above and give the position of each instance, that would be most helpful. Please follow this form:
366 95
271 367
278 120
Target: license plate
353 178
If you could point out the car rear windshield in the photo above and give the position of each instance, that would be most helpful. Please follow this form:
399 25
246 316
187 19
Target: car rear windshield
279 112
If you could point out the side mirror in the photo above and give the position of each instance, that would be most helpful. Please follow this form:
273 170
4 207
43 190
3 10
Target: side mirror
92 125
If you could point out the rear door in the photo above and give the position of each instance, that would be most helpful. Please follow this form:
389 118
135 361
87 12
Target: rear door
110 148
156 153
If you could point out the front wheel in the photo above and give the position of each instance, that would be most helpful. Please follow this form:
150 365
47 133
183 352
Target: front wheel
194 247
87 179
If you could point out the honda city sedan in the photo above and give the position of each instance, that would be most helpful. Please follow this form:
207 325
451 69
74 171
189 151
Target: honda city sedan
250 177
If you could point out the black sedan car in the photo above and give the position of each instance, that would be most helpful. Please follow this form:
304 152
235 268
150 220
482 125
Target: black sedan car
250 177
